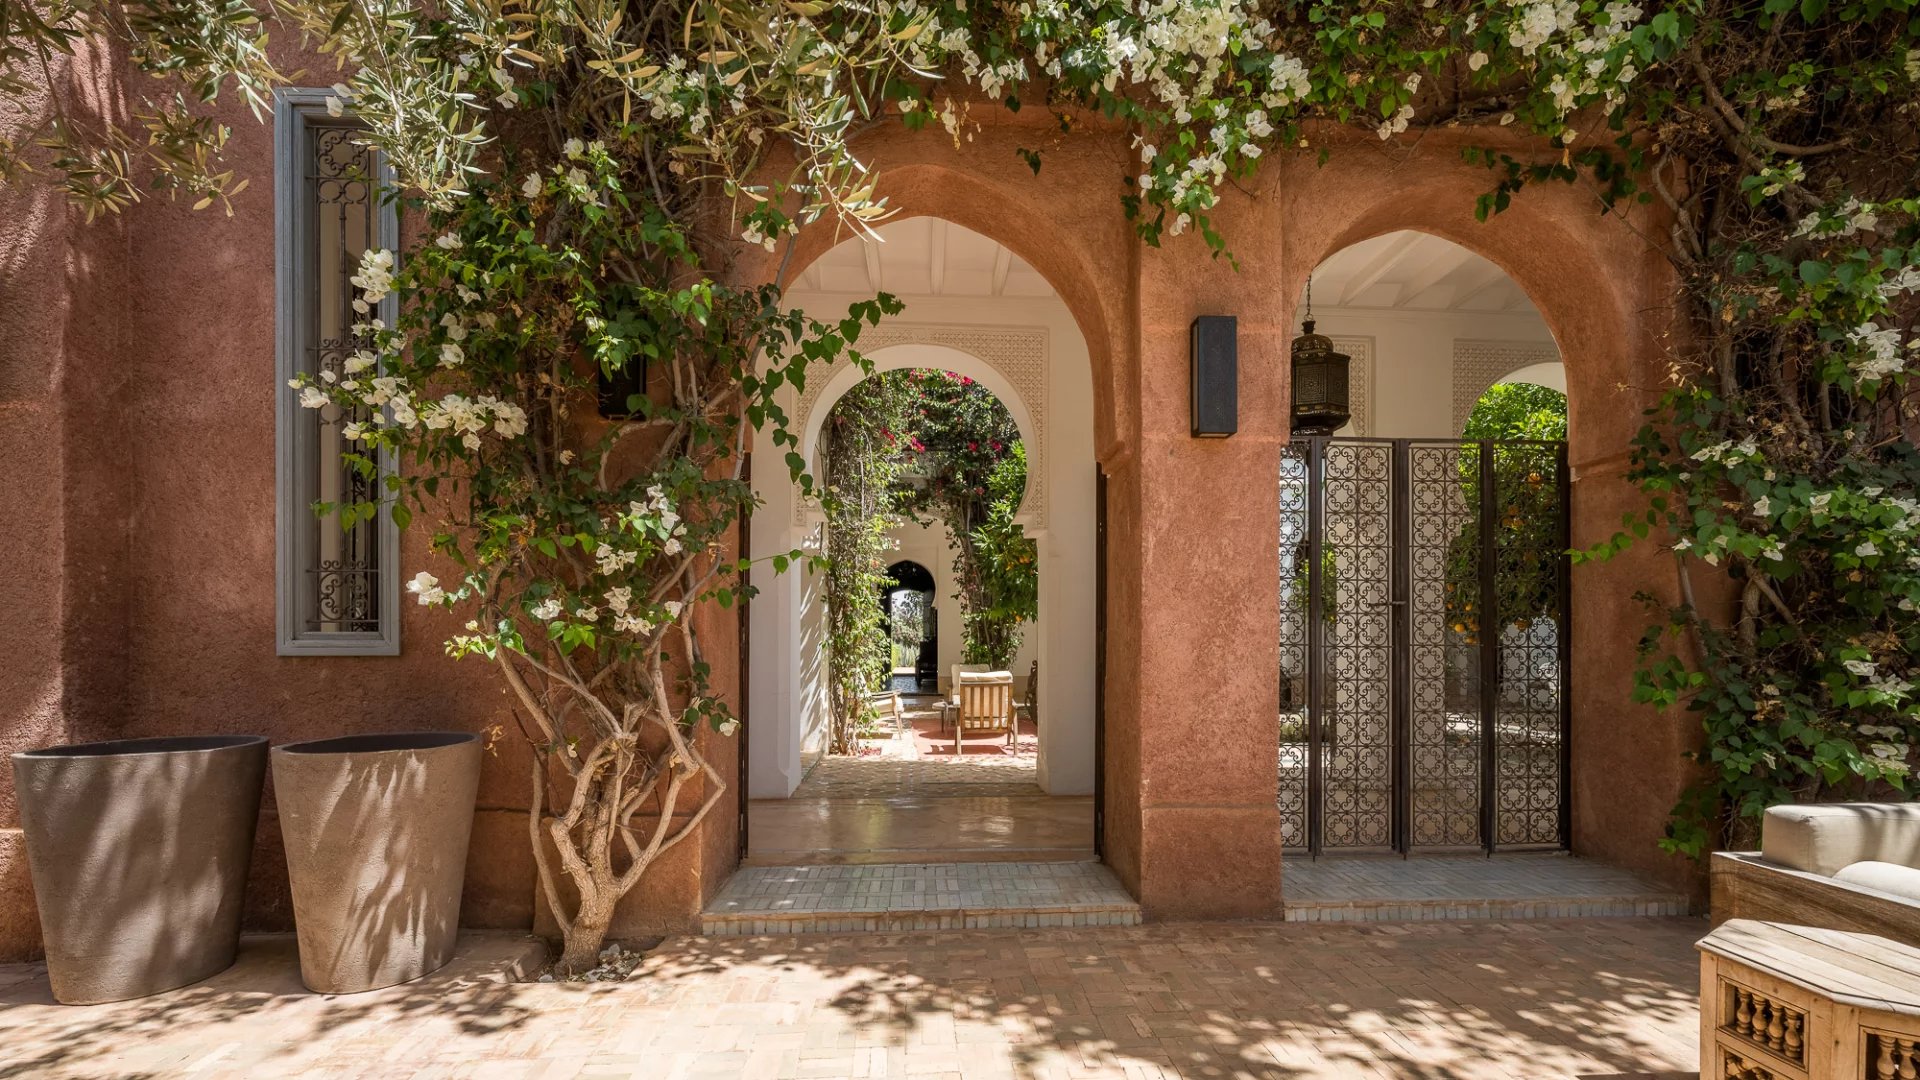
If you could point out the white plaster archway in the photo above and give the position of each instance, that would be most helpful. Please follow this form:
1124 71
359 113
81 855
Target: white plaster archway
1010 362
1551 374
1028 352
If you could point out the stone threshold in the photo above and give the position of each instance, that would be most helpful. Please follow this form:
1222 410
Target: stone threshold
1439 887
898 856
1442 910
895 897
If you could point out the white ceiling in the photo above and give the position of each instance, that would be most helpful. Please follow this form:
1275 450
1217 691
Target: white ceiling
923 256
1415 271
928 256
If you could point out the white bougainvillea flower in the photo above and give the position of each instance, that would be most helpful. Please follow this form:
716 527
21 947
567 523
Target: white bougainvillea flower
427 588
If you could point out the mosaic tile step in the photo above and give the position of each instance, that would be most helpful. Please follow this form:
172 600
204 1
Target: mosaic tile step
1442 887
918 896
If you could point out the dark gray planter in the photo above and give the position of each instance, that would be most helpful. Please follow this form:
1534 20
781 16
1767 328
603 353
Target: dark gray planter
139 852
376 829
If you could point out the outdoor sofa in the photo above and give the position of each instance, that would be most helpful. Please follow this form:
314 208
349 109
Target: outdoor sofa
1841 866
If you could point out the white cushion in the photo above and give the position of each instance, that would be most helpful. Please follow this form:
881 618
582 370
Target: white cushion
953 683
974 678
1823 838
1883 877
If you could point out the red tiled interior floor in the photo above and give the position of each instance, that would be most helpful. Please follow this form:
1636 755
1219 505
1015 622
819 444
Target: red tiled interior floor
1556 1000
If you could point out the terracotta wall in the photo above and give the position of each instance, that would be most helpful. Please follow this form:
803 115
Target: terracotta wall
136 468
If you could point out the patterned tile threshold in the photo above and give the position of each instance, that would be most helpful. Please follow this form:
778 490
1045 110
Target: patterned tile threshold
1441 887
918 896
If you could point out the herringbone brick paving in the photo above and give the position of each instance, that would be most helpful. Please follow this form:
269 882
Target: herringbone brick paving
1539 1001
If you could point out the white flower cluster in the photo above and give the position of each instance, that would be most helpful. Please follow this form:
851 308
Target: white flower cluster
752 234
468 417
1878 352
1851 217
659 511
1591 56
375 279
1729 452
1906 281
620 601
609 560
471 417
427 588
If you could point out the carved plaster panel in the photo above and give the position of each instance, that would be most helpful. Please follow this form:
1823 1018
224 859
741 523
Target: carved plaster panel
1477 365
1359 380
1017 354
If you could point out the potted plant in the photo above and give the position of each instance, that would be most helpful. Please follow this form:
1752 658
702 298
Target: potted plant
376 830
139 851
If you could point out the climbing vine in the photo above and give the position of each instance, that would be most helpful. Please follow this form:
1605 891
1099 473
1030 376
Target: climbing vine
972 471
587 169
863 468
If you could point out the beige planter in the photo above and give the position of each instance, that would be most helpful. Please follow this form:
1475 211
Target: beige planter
139 852
376 828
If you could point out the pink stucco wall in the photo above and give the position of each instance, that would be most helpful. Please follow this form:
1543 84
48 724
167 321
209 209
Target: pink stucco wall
136 473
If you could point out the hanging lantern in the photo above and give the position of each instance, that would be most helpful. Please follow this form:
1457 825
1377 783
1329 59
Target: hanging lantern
1321 404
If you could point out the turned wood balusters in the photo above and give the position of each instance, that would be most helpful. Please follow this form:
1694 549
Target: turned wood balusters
1766 1022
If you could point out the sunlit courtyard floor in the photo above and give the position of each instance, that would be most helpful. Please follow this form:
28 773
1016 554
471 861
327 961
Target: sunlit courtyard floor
1535 1000
907 796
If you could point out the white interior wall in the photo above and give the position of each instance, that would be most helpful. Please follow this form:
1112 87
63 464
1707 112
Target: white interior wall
1410 393
786 695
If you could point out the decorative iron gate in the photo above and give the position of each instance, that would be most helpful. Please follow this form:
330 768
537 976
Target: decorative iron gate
1424 636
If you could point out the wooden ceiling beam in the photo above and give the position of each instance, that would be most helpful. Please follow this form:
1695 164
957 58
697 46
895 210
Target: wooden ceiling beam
1450 258
1378 267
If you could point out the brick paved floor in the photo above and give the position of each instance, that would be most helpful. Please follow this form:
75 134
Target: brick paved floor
1539 1001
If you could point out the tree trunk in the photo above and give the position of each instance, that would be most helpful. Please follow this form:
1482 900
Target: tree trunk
580 949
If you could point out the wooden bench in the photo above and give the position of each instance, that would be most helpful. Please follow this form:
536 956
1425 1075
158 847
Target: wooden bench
1783 1002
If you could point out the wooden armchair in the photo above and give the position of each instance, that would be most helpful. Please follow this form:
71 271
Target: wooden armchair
951 703
1029 705
986 706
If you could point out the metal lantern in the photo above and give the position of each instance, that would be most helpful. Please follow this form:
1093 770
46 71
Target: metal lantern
1321 404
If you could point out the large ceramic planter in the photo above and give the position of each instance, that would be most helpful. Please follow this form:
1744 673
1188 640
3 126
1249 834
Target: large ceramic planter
376 828
139 853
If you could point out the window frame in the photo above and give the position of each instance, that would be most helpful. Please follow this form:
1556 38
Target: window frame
297 111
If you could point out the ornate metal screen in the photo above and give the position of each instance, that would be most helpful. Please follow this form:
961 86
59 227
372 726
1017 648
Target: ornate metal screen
1399 714
342 593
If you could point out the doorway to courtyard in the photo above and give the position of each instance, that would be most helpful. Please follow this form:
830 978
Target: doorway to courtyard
1426 605
911 622
974 743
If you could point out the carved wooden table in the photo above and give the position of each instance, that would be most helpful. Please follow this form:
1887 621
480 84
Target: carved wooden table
1782 1002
